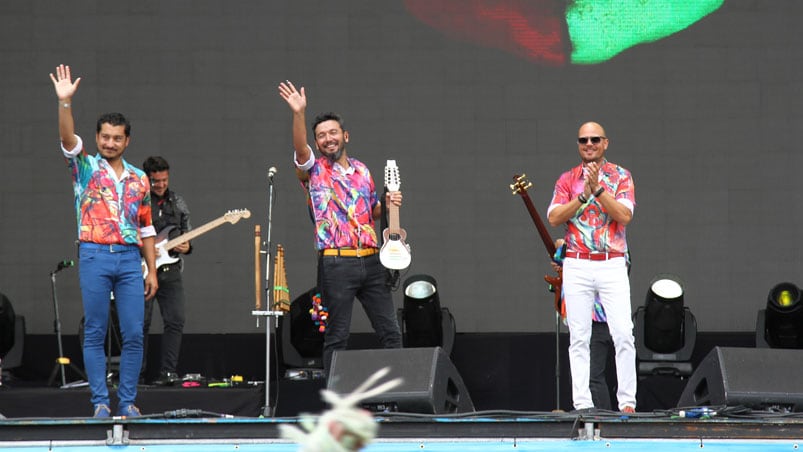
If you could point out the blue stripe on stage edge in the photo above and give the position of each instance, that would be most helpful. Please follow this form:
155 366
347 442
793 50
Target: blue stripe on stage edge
484 445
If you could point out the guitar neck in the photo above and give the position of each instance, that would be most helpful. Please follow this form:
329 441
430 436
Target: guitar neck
393 219
194 233
539 224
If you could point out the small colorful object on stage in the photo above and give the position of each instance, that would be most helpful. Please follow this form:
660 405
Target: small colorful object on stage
319 313
281 293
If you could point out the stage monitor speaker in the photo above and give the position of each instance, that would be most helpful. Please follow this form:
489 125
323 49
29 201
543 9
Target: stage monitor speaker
758 378
431 384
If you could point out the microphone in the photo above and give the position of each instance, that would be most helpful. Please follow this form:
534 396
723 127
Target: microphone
271 172
64 264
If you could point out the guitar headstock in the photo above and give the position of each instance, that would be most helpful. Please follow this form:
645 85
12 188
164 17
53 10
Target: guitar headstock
521 184
233 216
392 178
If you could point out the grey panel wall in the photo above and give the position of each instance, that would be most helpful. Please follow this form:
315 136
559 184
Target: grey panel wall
707 120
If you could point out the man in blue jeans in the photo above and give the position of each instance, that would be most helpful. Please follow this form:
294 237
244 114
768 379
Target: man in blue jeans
112 203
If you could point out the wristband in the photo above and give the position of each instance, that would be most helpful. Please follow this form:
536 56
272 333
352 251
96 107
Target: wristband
582 198
64 104
599 192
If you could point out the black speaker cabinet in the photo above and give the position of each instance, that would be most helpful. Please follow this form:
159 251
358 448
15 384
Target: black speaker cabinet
431 384
757 378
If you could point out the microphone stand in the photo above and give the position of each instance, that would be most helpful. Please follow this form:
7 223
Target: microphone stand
268 313
61 361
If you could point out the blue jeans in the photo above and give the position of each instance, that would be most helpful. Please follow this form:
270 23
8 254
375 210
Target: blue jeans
341 279
107 269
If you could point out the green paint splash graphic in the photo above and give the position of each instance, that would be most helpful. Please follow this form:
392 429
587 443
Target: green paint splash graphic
601 29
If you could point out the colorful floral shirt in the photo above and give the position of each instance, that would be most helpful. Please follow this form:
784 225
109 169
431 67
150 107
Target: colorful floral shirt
592 229
109 211
341 203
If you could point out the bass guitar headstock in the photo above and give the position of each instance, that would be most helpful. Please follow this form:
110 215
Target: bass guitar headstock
521 184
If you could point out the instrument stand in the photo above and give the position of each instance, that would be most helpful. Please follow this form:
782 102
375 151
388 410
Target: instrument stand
113 336
62 360
557 361
268 410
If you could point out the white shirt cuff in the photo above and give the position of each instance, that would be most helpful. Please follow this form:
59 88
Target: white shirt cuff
71 153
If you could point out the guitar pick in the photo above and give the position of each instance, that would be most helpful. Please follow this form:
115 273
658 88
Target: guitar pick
555 32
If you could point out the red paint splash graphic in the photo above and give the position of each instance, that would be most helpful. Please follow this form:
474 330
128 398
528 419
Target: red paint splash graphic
532 29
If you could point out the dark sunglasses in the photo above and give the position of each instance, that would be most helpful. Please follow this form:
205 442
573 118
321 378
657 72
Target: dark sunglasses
594 140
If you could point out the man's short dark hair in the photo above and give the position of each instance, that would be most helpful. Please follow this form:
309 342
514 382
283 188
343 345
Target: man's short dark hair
328 116
154 164
115 119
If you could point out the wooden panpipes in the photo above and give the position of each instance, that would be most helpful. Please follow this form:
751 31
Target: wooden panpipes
281 293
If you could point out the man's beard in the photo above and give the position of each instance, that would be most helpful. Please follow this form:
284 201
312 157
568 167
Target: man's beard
336 156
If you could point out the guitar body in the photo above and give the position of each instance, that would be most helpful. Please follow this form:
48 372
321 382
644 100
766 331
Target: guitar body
395 253
163 256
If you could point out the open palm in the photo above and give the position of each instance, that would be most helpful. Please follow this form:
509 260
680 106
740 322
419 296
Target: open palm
62 82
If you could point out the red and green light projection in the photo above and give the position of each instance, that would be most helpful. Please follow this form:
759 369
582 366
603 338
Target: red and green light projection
557 32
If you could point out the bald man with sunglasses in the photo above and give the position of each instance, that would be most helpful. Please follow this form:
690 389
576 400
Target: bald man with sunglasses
595 201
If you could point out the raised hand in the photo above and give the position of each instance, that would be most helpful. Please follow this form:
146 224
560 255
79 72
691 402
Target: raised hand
62 82
297 100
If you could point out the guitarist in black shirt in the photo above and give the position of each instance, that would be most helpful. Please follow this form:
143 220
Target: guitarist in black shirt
171 218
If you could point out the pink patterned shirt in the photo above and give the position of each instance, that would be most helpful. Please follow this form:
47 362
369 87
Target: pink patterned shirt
341 203
592 229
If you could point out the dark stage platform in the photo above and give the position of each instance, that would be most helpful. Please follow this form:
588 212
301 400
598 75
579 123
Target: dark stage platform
502 373
291 399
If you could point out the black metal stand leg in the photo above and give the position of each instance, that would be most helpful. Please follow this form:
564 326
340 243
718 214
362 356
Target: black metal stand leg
61 360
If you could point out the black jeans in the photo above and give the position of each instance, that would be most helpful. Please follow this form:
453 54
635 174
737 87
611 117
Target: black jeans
341 279
170 297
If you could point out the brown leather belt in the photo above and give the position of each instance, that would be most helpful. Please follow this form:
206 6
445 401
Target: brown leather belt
594 256
349 252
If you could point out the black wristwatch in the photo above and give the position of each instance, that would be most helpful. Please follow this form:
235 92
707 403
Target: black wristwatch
582 198
599 192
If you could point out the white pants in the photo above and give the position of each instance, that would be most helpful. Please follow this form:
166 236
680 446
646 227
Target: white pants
582 279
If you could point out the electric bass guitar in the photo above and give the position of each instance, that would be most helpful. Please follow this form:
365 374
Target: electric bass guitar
395 253
163 245
519 187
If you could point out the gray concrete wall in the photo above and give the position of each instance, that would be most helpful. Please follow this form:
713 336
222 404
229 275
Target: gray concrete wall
707 120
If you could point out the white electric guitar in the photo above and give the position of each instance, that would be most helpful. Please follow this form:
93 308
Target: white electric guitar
163 245
395 253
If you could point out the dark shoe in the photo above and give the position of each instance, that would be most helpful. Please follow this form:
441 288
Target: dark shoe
102 410
166 379
129 411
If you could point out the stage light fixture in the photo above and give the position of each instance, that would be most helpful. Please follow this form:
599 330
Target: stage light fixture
665 330
780 325
423 321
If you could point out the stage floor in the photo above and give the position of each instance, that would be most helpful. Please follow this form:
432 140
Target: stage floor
233 419
408 432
